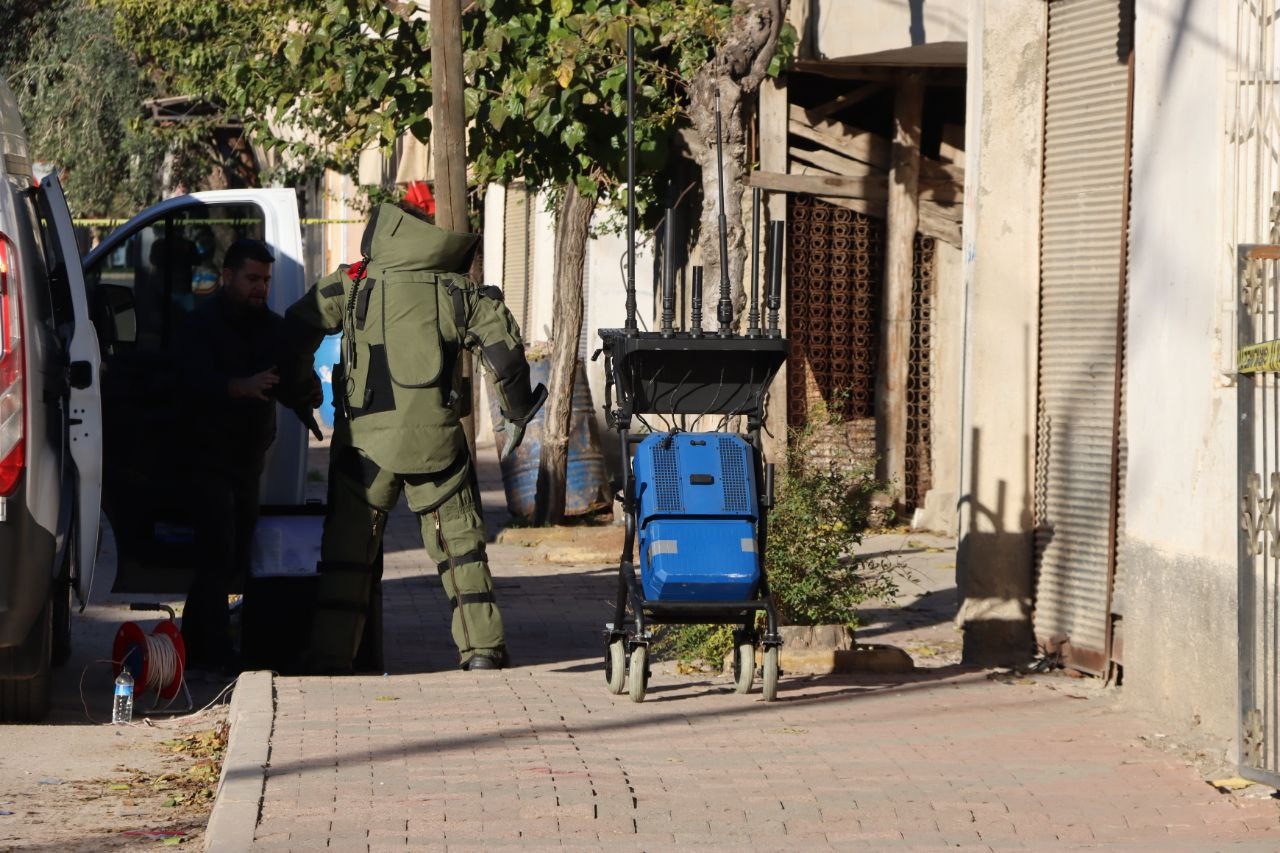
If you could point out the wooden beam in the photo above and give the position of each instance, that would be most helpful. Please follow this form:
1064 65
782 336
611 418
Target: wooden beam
934 222
939 226
951 149
773 157
940 179
837 185
902 219
848 99
819 181
840 137
834 163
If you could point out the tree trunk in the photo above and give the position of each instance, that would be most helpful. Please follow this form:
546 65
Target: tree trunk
448 137
566 326
738 68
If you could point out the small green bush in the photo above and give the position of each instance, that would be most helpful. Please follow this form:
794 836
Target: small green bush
824 505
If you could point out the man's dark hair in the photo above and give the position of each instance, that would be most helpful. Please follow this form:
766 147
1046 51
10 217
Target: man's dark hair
247 250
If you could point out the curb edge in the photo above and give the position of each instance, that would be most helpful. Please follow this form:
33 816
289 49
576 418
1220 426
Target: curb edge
237 804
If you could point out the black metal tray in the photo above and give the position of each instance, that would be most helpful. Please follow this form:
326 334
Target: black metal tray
686 375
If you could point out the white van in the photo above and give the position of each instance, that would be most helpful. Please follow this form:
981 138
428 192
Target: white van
88 418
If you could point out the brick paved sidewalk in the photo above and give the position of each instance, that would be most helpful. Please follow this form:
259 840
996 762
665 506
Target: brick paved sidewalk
543 756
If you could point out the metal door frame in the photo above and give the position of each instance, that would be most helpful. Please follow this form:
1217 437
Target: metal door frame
1258 556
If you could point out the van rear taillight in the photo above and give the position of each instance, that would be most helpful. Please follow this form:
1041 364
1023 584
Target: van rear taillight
12 387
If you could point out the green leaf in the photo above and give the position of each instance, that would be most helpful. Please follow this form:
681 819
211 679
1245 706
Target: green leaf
293 49
498 115
561 8
573 135
547 120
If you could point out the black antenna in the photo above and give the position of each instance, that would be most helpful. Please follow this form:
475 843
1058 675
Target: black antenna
668 272
753 317
631 327
777 233
725 310
695 324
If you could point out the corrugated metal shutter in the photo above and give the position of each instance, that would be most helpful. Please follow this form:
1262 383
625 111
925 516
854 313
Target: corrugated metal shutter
1082 249
517 250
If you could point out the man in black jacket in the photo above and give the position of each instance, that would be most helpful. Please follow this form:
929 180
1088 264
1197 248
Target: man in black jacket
227 354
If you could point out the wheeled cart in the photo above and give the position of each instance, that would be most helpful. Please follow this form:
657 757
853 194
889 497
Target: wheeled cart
695 503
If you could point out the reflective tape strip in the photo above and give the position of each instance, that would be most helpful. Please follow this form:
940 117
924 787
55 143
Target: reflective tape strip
748 545
663 546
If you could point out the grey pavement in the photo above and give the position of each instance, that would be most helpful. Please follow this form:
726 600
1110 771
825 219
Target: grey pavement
542 756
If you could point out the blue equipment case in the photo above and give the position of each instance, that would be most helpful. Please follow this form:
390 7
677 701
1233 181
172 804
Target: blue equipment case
697 517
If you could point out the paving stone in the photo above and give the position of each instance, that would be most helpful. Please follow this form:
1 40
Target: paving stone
542 757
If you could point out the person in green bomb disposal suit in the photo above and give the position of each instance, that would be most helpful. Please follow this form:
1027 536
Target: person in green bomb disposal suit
406 312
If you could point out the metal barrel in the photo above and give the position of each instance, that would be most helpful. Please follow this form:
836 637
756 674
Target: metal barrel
587 477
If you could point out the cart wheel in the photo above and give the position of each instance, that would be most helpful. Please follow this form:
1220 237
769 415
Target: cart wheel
744 667
638 674
770 677
615 666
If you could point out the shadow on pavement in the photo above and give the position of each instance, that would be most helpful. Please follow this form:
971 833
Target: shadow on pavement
550 618
790 695
935 607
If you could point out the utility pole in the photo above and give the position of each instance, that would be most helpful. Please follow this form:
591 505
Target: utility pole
448 142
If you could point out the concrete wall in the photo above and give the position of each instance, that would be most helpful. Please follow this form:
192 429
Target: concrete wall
837 28
1001 262
1176 586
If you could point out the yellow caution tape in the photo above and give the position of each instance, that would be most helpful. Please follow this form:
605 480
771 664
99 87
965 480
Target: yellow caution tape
113 223
1259 358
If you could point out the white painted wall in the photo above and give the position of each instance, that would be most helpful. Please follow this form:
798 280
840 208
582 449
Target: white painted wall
1178 484
495 200
840 28
1176 580
607 303
542 226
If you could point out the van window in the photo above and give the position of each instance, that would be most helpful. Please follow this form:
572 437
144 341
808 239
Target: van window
142 289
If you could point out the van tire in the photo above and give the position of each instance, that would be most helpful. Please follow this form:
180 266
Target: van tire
26 700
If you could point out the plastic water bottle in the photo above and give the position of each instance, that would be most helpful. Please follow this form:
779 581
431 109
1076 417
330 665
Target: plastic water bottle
122 708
